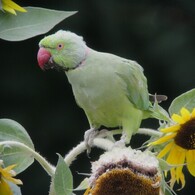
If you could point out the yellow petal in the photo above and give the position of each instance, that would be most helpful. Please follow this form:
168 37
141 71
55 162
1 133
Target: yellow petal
173 178
15 181
185 114
7 173
165 150
190 159
13 5
5 188
10 167
163 139
183 182
9 9
173 155
180 162
170 129
178 119
166 173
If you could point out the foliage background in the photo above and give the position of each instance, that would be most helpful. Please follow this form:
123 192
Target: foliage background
159 34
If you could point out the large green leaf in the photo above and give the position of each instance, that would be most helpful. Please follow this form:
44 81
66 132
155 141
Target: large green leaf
186 100
63 180
34 22
10 130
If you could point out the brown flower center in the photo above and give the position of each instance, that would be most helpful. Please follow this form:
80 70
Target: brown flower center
185 137
125 182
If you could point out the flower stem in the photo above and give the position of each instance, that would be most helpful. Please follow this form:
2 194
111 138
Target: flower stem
71 156
42 161
150 132
104 144
144 131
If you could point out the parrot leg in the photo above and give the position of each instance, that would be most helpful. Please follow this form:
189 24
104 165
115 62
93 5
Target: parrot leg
91 134
89 137
121 143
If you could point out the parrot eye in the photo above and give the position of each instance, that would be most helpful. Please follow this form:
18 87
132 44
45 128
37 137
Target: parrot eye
60 46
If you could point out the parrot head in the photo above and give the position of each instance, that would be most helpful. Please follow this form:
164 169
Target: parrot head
63 50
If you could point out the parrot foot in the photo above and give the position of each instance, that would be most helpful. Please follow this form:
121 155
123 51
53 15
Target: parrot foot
89 137
121 143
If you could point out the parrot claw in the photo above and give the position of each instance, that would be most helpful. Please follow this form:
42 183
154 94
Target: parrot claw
121 143
89 137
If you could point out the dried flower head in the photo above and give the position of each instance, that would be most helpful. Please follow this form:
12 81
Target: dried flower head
125 171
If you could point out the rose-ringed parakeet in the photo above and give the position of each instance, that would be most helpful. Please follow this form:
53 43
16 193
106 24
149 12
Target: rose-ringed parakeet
110 89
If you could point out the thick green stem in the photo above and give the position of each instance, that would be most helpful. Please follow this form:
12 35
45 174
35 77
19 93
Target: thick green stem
42 161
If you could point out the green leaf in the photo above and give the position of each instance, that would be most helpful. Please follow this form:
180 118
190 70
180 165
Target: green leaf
83 185
13 131
34 22
10 130
1 5
63 180
169 192
186 100
165 166
160 113
166 189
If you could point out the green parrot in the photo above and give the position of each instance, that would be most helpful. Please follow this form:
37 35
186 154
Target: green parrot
110 89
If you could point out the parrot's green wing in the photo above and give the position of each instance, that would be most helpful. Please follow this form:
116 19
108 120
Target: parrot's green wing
134 83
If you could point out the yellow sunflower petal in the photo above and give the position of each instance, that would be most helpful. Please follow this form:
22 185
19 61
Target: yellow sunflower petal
163 139
180 162
183 182
165 150
173 155
14 6
190 159
185 114
9 9
5 188
178 119
8 177
15 181
173 178
7 173
166 173
170 129
9 168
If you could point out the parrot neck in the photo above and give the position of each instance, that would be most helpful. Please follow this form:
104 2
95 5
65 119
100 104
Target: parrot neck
80 63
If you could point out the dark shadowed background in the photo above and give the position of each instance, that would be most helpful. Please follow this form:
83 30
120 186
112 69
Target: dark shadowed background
158 34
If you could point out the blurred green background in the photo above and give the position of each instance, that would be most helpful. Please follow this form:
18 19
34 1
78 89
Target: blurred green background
158 34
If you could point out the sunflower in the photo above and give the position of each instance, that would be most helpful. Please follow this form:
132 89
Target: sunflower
10 6
179 150
6 175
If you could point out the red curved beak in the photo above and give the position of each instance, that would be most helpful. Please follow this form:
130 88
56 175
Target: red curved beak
43 57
